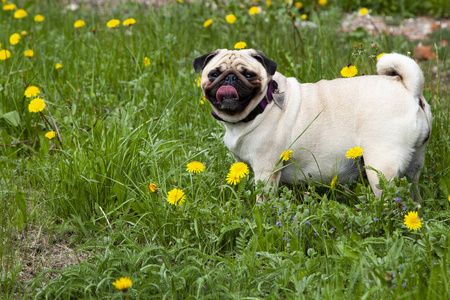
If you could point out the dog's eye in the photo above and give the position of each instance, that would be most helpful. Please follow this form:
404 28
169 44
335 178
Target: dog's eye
250 75
213 75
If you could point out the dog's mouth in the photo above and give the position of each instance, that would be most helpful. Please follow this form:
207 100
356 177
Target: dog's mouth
231 92
227 99
227 93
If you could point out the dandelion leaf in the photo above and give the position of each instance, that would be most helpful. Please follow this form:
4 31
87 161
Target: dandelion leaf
6 139
383 181
12 118
444 184
120 191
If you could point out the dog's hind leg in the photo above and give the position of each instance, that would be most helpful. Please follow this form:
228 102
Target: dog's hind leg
387 162
413 171
388 171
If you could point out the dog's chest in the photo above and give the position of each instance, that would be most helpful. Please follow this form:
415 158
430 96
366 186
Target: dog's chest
236 140
254 143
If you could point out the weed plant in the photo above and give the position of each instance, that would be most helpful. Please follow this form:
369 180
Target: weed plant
130 114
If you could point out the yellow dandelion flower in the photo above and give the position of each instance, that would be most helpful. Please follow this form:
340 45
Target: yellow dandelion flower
240 45
9 7
29 53
39 18
14 38
146 61
380 55
32 91
354 153
176 197
349 71
333 181
304 16
207 23
113 23
412 221
23 33
240 169
152 188
363 11
36 105
286 155
198 81
195 167
79 24
230 18
298 4
322 2
233 178
20 13
449 198
202 101
253 10
129 22
268 3
4 54
58 66
123 283
180 1
50 135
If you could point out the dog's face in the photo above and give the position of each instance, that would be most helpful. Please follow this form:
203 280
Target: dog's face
234 81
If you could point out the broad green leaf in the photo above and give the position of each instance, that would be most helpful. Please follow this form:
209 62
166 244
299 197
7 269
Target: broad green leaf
12 118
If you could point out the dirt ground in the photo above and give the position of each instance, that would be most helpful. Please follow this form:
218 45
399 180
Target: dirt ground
413 29
38 250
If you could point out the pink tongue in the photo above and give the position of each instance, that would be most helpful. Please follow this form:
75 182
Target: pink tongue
226 92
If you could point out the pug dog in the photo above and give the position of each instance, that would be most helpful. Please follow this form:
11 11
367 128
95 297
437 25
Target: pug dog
266 113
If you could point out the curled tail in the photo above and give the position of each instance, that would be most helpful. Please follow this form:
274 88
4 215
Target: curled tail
407 69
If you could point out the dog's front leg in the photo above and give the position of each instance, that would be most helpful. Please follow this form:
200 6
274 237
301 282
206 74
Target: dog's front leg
269 176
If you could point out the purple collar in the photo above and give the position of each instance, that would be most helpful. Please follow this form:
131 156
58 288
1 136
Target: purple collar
259 109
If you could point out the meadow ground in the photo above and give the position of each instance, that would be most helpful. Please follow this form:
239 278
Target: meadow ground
94 162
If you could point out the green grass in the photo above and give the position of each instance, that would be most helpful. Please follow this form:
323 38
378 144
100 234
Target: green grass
78 215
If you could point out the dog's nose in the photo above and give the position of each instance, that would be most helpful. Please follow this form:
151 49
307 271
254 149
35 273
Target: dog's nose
231 78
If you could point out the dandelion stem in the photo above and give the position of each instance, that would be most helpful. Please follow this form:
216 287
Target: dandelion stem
359 169
56 127
18 143
199 186
201 191
296 31
47 124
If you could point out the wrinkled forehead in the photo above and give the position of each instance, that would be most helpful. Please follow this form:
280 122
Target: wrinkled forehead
234 59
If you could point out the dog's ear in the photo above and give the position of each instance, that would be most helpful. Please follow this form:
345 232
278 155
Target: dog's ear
200 62
269 64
